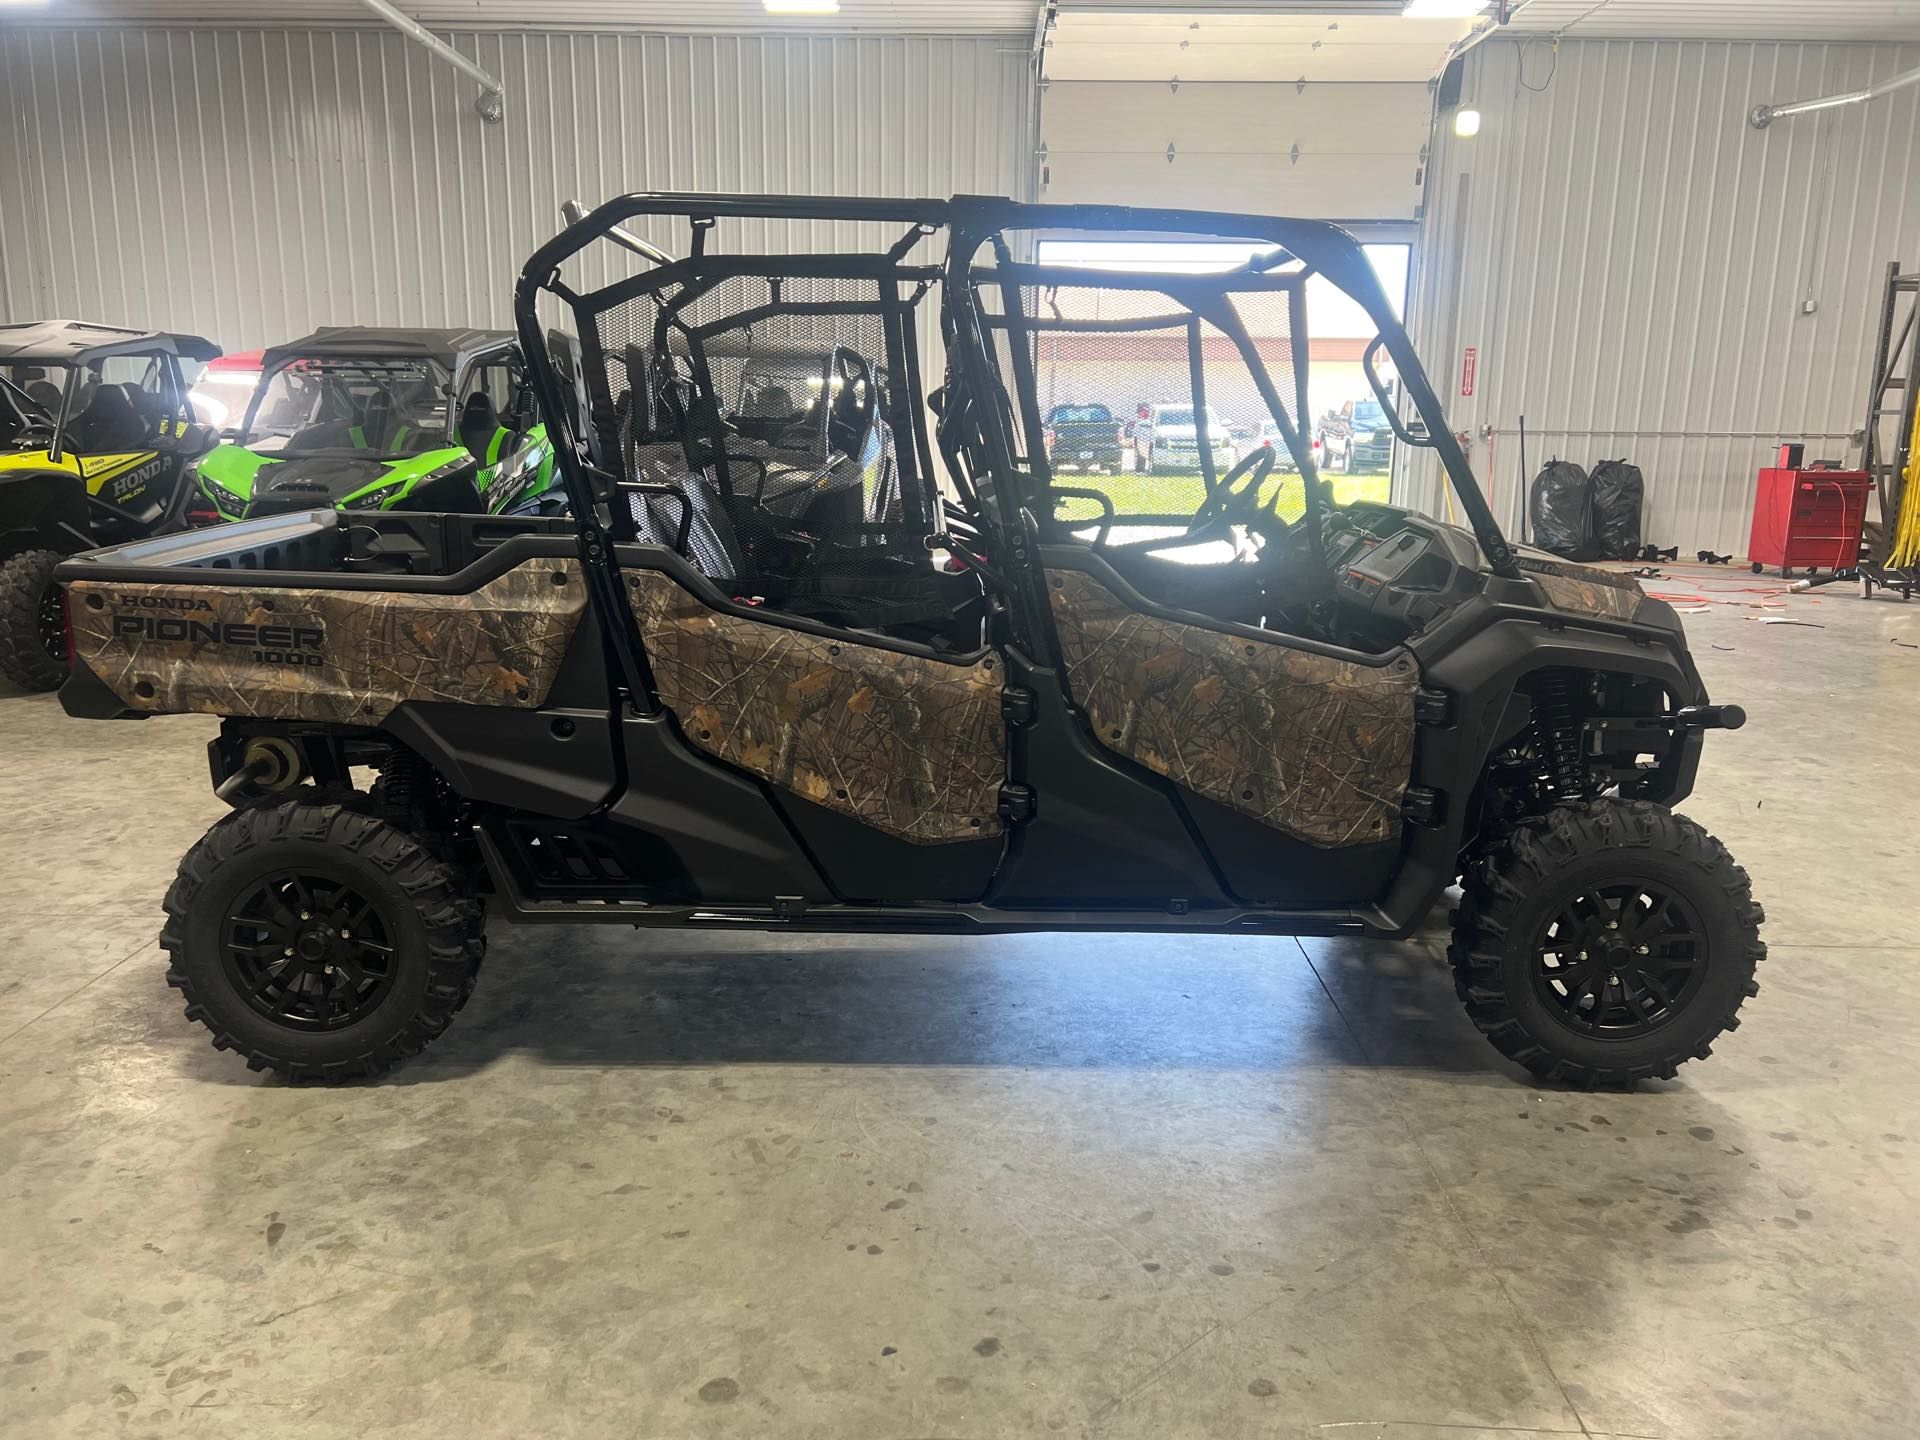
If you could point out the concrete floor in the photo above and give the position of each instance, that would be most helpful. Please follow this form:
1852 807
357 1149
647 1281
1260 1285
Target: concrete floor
763 1186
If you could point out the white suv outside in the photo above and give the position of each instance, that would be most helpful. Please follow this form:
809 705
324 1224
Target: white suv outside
1166 439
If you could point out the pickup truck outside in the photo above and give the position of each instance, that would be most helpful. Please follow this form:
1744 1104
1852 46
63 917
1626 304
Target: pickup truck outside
1355 437
1083 437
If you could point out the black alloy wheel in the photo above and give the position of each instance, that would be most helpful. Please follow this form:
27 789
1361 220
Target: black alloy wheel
309 951
1619 960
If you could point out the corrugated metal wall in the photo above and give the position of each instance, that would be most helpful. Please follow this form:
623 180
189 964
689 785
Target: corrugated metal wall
1630 259
251 184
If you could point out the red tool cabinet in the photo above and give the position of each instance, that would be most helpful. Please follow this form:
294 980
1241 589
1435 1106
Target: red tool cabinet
1808 520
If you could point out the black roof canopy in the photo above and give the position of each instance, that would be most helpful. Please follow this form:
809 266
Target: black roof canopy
71 342
451 348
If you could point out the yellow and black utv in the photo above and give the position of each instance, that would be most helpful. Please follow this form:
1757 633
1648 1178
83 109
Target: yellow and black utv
96 437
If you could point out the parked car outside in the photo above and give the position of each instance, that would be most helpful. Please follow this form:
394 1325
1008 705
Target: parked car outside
1357 436
1166 439
1267 436
1083 437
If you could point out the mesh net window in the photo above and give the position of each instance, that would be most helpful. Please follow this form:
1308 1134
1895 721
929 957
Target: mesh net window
764 415
1148 391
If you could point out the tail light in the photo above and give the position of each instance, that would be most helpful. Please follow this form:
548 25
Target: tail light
1049 439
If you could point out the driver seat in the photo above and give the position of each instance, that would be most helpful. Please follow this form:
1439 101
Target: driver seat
479 424
109 423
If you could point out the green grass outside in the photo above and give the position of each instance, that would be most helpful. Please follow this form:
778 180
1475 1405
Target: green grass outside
1140 494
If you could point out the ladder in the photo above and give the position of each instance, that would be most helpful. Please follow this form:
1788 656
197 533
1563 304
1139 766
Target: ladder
1888 439
1890 402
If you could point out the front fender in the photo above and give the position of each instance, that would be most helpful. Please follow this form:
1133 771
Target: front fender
1478 659
42 510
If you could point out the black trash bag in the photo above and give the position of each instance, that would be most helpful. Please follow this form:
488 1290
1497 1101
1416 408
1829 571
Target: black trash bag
1559 511
1618 489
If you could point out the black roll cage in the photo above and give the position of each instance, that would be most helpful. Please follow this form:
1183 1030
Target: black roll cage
970 430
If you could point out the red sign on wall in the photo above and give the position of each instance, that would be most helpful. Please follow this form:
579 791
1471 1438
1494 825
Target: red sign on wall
1469 366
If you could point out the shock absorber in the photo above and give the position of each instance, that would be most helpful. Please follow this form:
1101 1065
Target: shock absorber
406 787
1556 734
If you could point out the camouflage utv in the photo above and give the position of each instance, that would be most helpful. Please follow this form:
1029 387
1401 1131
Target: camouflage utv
979 699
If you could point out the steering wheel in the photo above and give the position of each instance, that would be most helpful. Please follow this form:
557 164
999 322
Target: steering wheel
1236 497
37 434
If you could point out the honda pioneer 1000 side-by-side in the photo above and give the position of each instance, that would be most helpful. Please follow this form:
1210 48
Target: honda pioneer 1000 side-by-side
96 435
995 698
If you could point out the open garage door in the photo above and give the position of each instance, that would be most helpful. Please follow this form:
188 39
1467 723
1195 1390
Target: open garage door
1313 110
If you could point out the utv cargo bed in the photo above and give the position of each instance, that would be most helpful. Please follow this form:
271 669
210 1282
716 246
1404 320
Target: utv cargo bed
324 617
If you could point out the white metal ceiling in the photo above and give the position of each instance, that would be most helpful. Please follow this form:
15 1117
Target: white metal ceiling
1837 20
943 17
1842 20
1722 19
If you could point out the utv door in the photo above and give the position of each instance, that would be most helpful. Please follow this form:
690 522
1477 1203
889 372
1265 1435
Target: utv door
1289 759
883 761
145 490
1189 605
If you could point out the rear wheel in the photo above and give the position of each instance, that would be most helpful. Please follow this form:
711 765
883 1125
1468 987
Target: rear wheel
33 625
1606 943
320 941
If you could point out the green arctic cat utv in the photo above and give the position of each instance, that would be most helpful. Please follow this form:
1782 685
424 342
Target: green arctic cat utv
380 419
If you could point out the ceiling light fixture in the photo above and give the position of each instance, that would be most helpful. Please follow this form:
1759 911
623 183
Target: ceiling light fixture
802 7
1445 9
1466 123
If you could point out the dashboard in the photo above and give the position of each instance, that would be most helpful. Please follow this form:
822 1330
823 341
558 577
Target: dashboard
1395 573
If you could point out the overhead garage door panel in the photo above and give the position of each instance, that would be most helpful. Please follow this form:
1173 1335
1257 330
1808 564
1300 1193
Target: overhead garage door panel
1234 146
1104 60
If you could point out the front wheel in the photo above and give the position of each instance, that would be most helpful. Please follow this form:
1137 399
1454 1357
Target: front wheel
1606 943
33 624
320 941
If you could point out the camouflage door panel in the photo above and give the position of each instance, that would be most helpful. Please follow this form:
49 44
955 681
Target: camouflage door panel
1318 747
912 746
343 656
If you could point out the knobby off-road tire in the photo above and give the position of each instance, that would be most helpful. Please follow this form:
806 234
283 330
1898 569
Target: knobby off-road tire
386 938
1606 943
31 655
